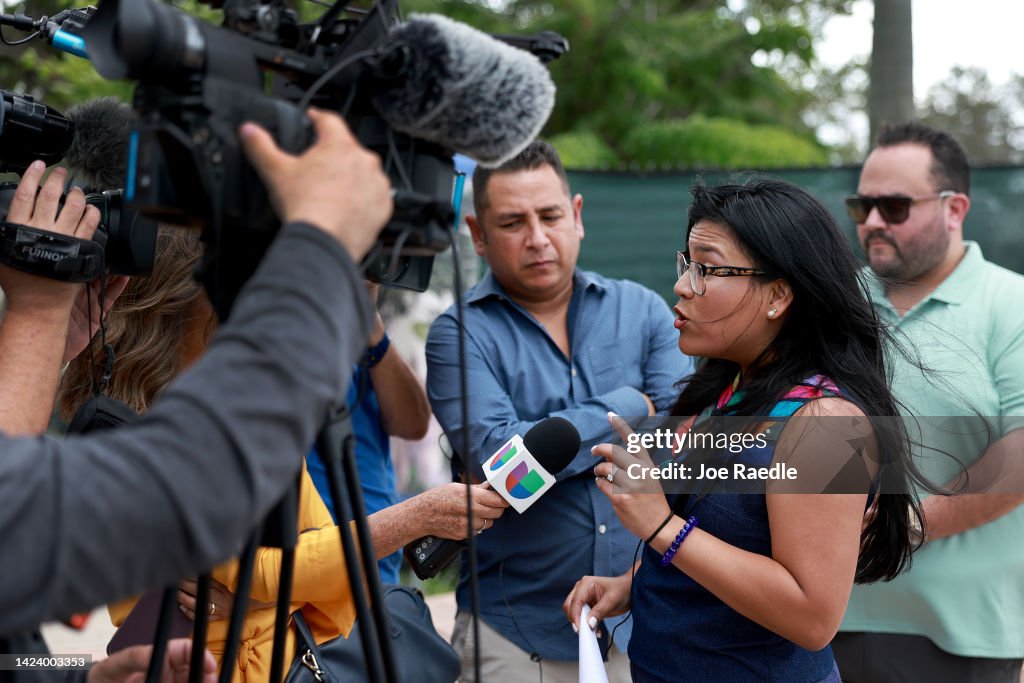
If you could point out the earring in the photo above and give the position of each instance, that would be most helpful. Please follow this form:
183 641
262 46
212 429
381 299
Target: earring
771 313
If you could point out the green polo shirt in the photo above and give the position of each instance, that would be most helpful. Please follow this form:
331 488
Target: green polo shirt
965 592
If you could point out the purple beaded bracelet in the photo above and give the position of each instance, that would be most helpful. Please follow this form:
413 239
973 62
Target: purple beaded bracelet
689 526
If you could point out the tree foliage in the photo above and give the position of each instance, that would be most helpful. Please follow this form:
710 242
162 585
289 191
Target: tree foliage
986 119
841 96
720 143
638 69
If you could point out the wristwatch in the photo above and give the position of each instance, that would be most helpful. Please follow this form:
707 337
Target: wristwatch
375 354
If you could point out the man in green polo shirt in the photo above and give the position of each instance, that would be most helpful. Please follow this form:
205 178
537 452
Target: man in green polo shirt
958 614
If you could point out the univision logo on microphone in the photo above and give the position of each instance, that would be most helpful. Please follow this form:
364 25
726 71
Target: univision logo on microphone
515 474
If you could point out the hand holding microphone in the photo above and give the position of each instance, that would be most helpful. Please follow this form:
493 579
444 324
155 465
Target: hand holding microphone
445 506
521 471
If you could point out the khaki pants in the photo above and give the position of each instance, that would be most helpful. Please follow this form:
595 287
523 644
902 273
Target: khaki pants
501 661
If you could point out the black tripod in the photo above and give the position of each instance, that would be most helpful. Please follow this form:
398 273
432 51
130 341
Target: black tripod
336 445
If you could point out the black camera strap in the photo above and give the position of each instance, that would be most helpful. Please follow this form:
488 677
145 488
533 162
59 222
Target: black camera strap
50 254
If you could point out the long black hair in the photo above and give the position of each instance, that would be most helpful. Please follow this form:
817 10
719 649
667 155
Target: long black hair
830 328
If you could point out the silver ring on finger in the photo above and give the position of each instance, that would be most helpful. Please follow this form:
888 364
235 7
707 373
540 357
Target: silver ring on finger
611 473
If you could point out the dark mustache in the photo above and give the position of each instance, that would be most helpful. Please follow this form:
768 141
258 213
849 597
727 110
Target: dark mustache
878 234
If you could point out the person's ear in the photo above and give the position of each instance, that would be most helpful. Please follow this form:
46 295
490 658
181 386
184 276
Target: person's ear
957 207
780 298
477 231
577 214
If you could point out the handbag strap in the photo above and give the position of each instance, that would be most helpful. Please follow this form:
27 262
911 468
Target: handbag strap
310 656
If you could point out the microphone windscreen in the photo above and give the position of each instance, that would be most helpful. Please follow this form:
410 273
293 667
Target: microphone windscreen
99 147
554 442
466 91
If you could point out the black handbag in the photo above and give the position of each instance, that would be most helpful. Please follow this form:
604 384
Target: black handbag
421 654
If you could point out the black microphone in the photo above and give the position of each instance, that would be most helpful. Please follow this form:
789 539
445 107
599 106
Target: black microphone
98 150
446 82
553 442
94 140
98 156
93 137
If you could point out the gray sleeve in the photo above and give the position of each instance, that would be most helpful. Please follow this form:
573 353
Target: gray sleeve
97 518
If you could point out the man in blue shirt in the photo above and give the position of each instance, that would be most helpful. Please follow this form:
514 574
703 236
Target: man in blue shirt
545 338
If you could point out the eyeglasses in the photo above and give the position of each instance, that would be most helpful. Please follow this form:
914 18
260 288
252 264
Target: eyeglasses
894 209
699 272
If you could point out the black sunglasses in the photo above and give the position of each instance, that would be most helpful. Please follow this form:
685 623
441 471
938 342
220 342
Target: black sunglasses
894 209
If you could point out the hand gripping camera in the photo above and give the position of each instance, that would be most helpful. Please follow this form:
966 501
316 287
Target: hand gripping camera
124 243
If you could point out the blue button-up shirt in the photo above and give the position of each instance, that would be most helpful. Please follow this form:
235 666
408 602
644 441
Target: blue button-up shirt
622 344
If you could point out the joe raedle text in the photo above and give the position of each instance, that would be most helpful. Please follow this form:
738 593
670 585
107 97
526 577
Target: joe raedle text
676 471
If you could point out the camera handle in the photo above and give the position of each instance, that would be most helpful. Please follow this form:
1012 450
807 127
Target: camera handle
50 254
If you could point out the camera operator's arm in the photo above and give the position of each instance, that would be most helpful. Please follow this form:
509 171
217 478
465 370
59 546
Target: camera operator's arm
34 331
97 518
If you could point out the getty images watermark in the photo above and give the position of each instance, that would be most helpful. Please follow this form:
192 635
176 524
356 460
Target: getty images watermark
817 454
688 441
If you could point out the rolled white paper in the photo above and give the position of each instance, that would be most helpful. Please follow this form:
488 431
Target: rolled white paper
591 664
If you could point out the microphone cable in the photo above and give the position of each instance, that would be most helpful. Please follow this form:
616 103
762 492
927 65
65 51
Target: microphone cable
335 69
629 613
474 582
534 655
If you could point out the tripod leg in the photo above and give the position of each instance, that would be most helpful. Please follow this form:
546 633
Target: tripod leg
245 571
348 504
168 602
199 630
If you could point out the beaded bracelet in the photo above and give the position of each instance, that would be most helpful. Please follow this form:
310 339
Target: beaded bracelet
690 525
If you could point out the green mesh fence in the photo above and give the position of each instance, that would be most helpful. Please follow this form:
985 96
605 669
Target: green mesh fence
635 223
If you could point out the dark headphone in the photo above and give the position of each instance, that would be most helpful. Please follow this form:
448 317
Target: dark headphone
101 412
